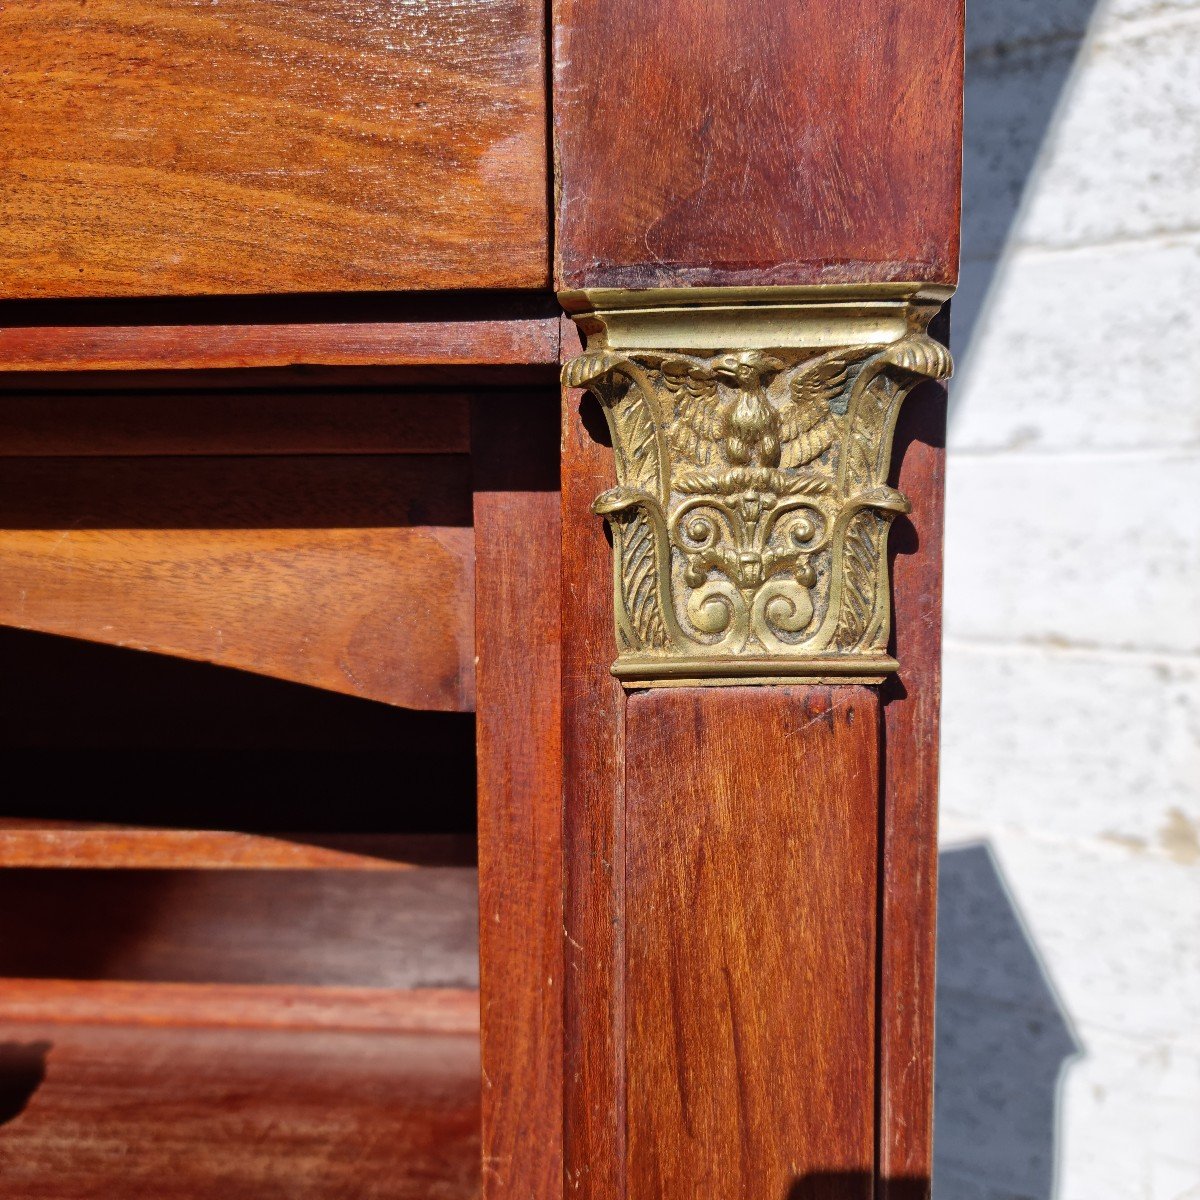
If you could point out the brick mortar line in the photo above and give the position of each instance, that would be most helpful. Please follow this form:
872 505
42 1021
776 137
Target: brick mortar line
1097 847
1185 453
1115 30
1046 648
1165 239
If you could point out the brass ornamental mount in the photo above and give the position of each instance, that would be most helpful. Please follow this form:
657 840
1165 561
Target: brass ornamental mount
752 430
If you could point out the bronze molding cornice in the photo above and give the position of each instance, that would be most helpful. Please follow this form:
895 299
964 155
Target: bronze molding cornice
752 430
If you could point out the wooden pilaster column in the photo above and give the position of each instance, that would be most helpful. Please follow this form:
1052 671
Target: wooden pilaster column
756 228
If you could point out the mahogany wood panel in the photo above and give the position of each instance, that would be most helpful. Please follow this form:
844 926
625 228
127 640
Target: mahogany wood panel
750 948
244 1006
908 907
288 421
165 147
338 928
348 573
38 843
758 142
293 336
593 818
520 793
102 1112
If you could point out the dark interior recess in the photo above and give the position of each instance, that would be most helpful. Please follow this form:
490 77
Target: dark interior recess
120 737
183 744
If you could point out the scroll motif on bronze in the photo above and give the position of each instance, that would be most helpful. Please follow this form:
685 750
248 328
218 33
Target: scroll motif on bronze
751 513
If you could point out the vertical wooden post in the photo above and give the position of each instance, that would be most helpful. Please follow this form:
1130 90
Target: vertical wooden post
750 949
518 739
757 218
593 819
908 828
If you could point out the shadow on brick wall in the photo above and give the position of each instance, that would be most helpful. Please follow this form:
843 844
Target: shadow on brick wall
1020 58
1004 1041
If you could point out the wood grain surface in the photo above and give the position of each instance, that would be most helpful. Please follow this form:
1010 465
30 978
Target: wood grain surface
166 147
515 456
295 344
26 842
106 1112
593 817
353 573
911 703
750 939
242 1006
756 143
337 928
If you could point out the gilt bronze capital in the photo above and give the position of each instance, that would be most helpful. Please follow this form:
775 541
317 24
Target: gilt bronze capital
752 430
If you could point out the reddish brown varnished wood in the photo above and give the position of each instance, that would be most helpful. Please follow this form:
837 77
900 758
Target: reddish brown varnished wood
100 1112
243 1006
172 147
25 842
756 143
71 343
750 914
517 522
338 928
719 893
593 819
285 421
353 573
908 908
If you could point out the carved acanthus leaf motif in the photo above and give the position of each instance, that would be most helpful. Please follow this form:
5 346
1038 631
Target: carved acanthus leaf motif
752 511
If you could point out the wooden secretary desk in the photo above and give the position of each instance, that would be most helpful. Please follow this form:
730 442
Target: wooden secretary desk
470 526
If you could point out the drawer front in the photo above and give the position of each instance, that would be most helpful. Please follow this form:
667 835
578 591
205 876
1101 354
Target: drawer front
182 147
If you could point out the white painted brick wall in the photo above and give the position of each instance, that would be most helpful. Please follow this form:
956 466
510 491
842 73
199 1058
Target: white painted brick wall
1069 993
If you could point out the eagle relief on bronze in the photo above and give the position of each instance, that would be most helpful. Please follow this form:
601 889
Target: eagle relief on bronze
751 515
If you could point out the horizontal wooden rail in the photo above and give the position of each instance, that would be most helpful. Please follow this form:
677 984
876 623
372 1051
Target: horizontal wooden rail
323 928
33 843
529 341
69 1001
